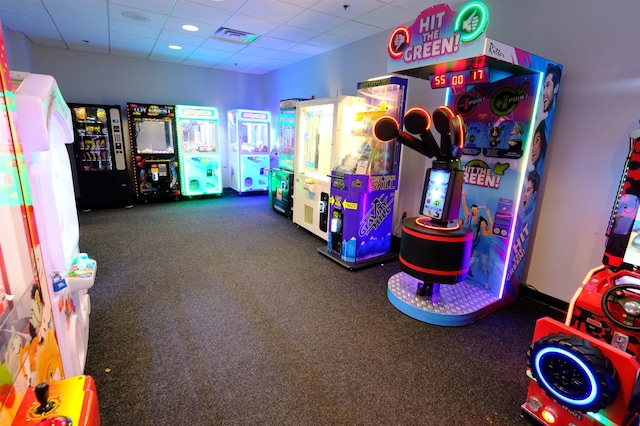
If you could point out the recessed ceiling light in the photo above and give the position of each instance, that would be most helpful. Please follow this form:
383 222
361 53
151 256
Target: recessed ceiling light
136 16
188 27
175 47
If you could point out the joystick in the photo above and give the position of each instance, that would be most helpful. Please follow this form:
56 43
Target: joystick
42 395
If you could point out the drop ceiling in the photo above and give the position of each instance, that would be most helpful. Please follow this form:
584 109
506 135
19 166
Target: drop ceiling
288 30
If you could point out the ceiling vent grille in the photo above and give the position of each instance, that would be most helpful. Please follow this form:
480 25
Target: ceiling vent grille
235 36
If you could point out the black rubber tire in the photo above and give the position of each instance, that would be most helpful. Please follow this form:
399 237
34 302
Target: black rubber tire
564 380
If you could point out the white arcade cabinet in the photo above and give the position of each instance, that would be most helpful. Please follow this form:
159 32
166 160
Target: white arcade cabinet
45 126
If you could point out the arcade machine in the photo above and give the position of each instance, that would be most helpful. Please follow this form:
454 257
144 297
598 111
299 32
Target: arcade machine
249 132
507 99
364 181
101 163
45 126
586 371
281 172
320 124
433 249
198 150
153 152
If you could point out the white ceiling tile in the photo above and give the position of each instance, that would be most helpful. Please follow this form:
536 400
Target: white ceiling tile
354 30
329 41
271 11
381 17
316 21
308 49
295 34
355 9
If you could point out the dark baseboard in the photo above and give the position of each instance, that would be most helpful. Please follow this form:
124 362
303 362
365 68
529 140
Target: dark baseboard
532 293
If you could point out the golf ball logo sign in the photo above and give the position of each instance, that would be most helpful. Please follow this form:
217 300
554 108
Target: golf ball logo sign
438 32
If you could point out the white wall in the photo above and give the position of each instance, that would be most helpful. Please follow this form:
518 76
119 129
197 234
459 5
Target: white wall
598 106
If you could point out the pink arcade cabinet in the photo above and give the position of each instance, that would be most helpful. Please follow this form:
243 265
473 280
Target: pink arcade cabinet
45 126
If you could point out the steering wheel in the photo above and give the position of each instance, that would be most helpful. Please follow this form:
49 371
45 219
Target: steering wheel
624 300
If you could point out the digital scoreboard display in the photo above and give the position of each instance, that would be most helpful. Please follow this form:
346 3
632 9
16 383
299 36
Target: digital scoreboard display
460 78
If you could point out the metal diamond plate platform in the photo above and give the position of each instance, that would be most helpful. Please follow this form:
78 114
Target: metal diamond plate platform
456 304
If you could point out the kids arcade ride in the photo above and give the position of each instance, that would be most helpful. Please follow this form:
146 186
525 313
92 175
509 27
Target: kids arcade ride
153 151
586 371
249 133
198 150
507 98
281 171
364 180
45 125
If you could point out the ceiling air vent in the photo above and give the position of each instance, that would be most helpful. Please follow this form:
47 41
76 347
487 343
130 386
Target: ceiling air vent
236 36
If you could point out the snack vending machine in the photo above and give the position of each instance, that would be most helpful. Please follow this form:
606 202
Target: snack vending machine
153 152
249 159
364 180
101 164
281 172
320 124
198 150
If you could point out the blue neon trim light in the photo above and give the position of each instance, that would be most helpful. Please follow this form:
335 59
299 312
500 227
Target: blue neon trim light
562 352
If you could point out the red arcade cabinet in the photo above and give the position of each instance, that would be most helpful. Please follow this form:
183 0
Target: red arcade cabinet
587 371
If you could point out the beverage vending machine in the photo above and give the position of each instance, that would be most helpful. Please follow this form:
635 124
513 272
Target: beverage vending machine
153 151
249 133
99 151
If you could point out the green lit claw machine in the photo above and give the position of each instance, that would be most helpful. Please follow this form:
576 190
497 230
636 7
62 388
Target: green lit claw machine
249 133
320 124
198 150
282 149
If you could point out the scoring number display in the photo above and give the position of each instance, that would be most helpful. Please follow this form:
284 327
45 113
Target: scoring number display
460 78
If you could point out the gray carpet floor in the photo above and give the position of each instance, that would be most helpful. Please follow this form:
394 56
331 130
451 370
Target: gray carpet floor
219 311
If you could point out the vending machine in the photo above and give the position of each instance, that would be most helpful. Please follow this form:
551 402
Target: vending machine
99 151
320 124
153 151
281 172
198 150
364 180
249 133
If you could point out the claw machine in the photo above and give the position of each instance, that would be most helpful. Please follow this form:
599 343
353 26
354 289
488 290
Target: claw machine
281 172
198 150
320 124
153 151
99 151
249 133
364 180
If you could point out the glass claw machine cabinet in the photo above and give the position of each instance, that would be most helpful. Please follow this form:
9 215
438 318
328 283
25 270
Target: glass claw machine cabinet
101 163
154 157
281 172
320 124
249 159
364 180
198 150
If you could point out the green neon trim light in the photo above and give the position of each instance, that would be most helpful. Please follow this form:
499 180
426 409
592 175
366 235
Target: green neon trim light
471 21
